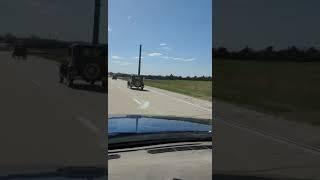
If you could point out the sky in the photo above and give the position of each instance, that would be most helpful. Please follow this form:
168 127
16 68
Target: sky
261 23
70 20
176 36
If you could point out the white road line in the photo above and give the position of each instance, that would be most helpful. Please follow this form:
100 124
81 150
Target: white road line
279 139
135 100
196 105
88 124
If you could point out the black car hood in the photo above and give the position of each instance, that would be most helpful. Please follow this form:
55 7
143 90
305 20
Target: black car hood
153 124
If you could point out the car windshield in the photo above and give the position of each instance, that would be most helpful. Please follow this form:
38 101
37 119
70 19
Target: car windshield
92 52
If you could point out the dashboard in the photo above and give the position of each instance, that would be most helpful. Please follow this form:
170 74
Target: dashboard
177 161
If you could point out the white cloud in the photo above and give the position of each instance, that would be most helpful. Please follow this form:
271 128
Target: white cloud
109 28
179 59
138 57
163 44
154 54
116 57
190 59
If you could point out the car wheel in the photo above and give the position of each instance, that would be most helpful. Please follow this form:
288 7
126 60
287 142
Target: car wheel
104 84
70 83
92 71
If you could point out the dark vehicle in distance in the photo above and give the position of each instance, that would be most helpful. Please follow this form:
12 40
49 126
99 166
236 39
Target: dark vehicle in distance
86 62
114 77
135 81
20 51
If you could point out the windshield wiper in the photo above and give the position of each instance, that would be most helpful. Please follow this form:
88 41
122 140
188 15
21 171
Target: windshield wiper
66 172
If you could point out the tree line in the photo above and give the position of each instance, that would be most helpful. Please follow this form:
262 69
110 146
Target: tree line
291 53
36 42
167 77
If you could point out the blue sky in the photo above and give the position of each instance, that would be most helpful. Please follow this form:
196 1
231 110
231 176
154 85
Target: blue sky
176 36
52 19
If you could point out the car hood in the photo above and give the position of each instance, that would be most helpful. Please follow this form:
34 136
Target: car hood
154 124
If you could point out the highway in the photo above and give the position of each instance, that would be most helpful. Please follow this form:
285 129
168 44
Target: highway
154 101
255 145
45 124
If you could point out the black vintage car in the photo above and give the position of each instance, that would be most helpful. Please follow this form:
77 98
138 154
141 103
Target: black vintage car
135 81
20 51
86 62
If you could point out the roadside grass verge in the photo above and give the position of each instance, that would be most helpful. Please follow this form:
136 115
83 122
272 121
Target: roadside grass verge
287 89
198 89
58 55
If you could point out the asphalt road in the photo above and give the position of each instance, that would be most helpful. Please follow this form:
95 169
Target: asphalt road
154 101
45 124
254 145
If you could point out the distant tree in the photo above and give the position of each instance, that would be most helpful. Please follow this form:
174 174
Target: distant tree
312 53
246 52
222 52
10 38
269 49
34 37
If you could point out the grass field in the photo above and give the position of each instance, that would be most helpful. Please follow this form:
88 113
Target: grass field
199 89
58 55
287 89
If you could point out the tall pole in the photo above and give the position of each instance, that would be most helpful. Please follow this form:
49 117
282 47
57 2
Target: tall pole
96 23
139 61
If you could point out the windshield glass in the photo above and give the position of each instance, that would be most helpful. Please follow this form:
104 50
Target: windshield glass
92 52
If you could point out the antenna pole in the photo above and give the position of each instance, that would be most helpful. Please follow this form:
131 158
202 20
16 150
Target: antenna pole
139 60
96 23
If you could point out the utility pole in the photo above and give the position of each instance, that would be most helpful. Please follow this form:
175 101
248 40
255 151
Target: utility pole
96 23
139 61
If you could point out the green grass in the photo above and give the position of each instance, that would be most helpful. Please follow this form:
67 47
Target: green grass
58 55
287 89
198 89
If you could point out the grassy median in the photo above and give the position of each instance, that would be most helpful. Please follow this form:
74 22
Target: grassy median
198 89
288 89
